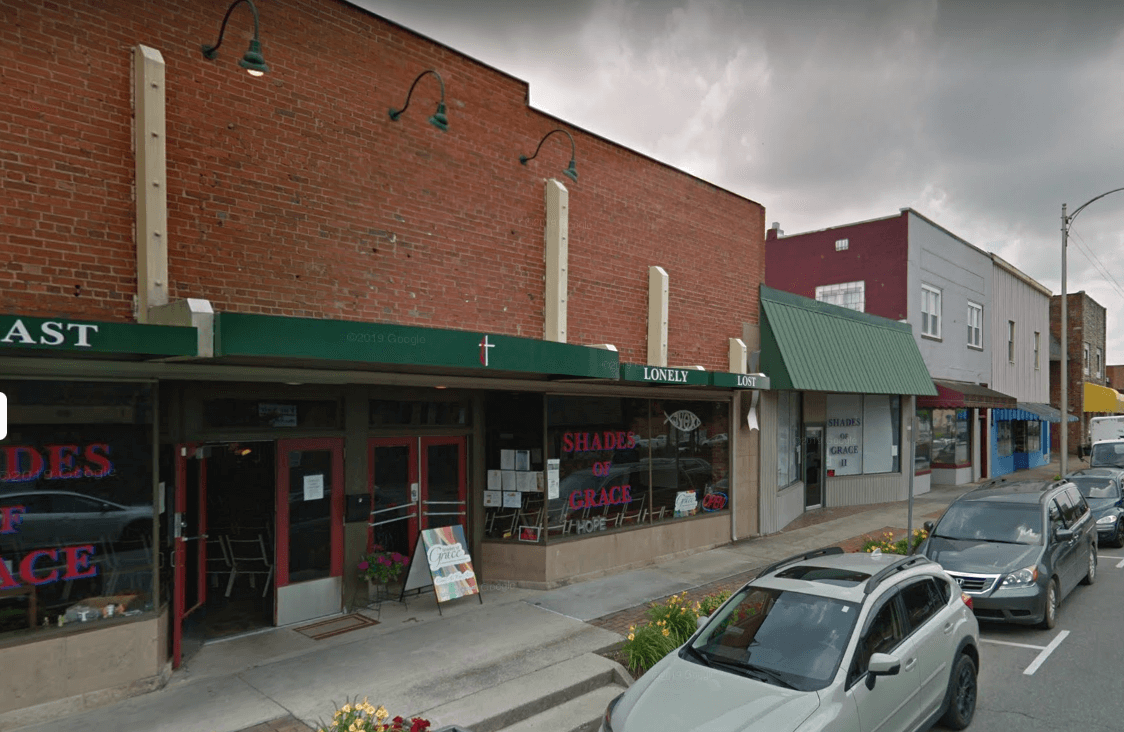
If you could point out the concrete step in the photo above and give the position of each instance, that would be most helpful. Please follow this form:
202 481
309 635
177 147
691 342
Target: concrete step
580 714
502 705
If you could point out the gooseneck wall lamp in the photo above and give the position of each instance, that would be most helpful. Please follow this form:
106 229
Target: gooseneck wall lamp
570 172
438 120
252 61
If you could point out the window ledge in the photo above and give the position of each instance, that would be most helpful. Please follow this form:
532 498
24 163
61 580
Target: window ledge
928 337
975 348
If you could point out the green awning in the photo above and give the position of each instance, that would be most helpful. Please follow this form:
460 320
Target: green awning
75 336
273 336
813 346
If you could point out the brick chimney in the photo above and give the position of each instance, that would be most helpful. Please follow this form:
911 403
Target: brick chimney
774 232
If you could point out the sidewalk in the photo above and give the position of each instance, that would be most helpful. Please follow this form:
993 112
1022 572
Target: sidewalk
417 661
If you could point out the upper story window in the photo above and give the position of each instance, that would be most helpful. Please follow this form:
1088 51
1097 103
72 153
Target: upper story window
975 325
1098 364
1085 361
1037 347
842 244
930 311
1011 341
847 294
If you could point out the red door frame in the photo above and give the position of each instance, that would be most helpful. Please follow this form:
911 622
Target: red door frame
281 550
185 452
411 443
462 477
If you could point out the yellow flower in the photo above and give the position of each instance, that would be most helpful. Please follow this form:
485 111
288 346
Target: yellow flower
631 628
345 708
666 632
632 636
381 713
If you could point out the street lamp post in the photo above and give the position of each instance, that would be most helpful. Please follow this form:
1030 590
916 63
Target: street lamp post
1063 326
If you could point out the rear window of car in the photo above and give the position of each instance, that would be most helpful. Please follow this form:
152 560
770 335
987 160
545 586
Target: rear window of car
1093 487
1011 523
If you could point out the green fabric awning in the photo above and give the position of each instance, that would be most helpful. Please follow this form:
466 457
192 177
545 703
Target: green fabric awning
813 346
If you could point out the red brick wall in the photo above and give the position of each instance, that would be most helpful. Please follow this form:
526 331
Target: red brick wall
877 253
295 194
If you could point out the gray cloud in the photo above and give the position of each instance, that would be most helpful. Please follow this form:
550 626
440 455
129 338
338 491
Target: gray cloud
984 116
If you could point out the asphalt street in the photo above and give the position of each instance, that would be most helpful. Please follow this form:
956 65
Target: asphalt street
1067 678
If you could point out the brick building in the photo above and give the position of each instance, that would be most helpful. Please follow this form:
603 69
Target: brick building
1114 377
252 326
1087 382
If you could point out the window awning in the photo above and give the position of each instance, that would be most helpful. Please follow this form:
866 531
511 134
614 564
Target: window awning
813 346
1102 399
1032 412
960 394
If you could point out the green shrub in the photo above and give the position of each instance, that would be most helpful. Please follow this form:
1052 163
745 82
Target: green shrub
669 625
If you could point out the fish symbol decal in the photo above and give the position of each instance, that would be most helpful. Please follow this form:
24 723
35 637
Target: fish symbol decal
683 420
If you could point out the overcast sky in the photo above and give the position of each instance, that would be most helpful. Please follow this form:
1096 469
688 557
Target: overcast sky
984 115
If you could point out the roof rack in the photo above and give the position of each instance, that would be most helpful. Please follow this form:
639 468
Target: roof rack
898 566
800 557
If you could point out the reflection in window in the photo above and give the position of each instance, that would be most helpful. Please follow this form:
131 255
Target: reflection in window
76 485
950 437
922 459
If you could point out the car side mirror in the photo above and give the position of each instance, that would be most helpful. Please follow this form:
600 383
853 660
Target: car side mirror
881 664
1061 535
929 526
702 621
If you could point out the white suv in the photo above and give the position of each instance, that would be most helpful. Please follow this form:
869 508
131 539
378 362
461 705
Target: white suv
817 642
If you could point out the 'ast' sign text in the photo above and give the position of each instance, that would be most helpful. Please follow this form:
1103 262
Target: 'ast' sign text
50 333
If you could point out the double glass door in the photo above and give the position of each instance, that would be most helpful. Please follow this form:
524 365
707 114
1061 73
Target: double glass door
416 483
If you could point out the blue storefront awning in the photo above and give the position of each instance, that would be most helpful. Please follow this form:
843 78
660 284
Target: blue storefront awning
1031 412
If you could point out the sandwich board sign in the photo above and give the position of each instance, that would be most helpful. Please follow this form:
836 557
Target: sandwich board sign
441 560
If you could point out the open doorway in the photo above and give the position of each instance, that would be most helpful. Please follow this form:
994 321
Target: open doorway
241 519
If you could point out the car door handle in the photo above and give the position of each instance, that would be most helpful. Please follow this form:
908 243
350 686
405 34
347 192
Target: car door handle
910 664
948 627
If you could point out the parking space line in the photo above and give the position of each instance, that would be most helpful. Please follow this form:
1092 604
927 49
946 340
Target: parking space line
1046 653
1009 643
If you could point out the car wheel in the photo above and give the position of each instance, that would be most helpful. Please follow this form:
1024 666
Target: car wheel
1050 616
961 694
1091 573
1119 543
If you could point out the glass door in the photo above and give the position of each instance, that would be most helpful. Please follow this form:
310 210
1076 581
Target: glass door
393 466
416 483
189 553
443 482
309 550
813 467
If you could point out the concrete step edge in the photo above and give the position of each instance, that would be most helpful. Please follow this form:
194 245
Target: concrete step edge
580 714
508 704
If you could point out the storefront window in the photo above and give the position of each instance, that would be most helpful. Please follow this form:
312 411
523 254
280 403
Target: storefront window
421 413
514 506
923 451
863 434
950 438
627 462
261 413
690 458
76 507
788 437
1005 444
1028 436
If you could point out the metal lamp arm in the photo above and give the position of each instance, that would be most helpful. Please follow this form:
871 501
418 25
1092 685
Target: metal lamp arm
1080 208
209 51
573 149
396 113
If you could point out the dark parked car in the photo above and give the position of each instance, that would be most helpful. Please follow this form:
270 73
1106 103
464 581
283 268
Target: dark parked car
1102 490
1017 548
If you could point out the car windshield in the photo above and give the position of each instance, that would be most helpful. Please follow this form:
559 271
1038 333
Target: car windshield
1093 487
1110 453
786 638
1012 523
